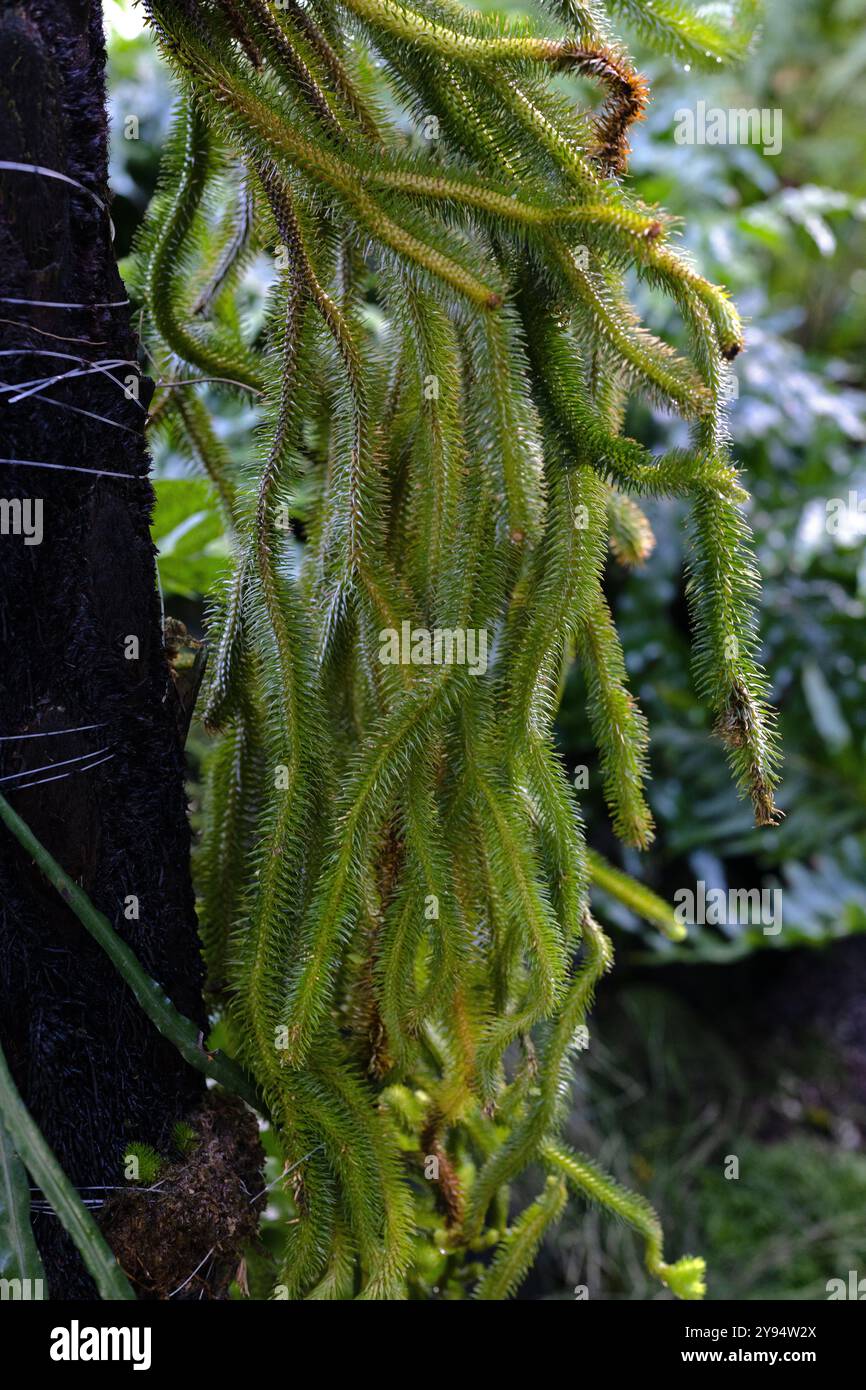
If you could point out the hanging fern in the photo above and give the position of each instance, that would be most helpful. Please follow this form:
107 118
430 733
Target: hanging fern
393 873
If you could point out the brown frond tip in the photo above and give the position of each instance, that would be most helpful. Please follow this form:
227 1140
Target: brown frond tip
738 721
767 813
626 103
737 726
449 1190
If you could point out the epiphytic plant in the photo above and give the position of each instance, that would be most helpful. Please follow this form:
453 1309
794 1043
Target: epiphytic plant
393 873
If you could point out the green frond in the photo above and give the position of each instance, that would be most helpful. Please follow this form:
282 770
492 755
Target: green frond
631 537
165 241
620 729
143 1162
634 895
520 1246
689 33
686 1277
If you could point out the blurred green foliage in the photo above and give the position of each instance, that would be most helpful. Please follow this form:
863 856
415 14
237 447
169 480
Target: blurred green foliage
188 532
673 1100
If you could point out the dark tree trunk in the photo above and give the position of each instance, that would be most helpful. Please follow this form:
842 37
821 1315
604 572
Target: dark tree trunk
93 1071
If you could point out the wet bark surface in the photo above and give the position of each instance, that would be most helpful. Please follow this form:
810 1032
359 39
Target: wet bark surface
81 644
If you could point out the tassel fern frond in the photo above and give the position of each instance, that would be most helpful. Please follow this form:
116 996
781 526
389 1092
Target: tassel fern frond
394 876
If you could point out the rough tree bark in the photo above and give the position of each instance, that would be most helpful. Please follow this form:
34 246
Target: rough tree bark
94 1072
